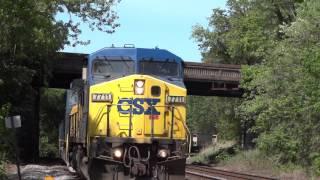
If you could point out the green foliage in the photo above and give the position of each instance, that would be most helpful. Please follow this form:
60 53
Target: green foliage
5 135
51 114
3 146
285 107
214 154
2 166
279 143
316 163
280 40
213 115
257 162
48 149
244 33
251 160
3 114
30 36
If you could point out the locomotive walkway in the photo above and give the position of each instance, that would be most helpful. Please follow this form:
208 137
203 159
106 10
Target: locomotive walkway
200 78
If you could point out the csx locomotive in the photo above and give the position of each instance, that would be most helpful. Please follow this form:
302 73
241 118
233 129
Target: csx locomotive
126 117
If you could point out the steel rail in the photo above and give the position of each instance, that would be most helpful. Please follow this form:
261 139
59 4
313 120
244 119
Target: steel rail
204 172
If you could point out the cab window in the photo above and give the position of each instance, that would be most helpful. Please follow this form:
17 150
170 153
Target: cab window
111 68
159 68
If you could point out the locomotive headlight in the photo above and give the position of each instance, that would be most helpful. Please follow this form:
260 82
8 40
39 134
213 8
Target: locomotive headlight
163 153
140 83
139 87
117 153
175 99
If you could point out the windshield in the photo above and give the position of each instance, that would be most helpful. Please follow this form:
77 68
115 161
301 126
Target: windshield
159 68
112 68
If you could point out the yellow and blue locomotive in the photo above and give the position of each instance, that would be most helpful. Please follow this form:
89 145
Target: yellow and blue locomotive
126 118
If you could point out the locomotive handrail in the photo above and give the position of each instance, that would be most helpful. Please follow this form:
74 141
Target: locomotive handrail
189 142
98 115
152 123
130 120
108 120
172 122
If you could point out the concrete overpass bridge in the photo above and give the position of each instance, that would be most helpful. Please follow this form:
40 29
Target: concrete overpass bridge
200 78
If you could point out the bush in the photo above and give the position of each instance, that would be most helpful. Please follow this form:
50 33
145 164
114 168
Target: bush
316 163
52 112
2 166
213 154
3 145
48 150
247 160
280 143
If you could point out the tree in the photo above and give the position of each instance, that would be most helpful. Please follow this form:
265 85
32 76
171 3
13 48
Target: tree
213 115
284 92
245 32
29 37
280 40
52 111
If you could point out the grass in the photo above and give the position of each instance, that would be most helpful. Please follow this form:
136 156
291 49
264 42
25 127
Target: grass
226 156
251 161
255 162
213 154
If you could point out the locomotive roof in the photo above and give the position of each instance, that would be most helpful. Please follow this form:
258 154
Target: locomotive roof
136 54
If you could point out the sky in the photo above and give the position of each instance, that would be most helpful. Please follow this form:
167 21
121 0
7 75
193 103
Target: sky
166 24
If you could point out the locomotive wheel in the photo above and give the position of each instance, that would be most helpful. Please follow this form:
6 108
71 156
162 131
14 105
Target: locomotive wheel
77 162
82 167
73 158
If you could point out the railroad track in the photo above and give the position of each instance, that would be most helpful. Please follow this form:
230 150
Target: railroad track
203 173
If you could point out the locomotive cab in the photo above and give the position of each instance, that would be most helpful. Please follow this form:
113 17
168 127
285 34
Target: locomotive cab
135 113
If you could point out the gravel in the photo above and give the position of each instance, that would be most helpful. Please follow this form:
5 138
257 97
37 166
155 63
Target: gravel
39 172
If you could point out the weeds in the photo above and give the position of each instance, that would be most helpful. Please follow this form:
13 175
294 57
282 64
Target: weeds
2 166
256 162
226 156
213 154
48 149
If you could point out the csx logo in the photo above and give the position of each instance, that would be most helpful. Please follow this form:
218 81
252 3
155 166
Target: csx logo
137 106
